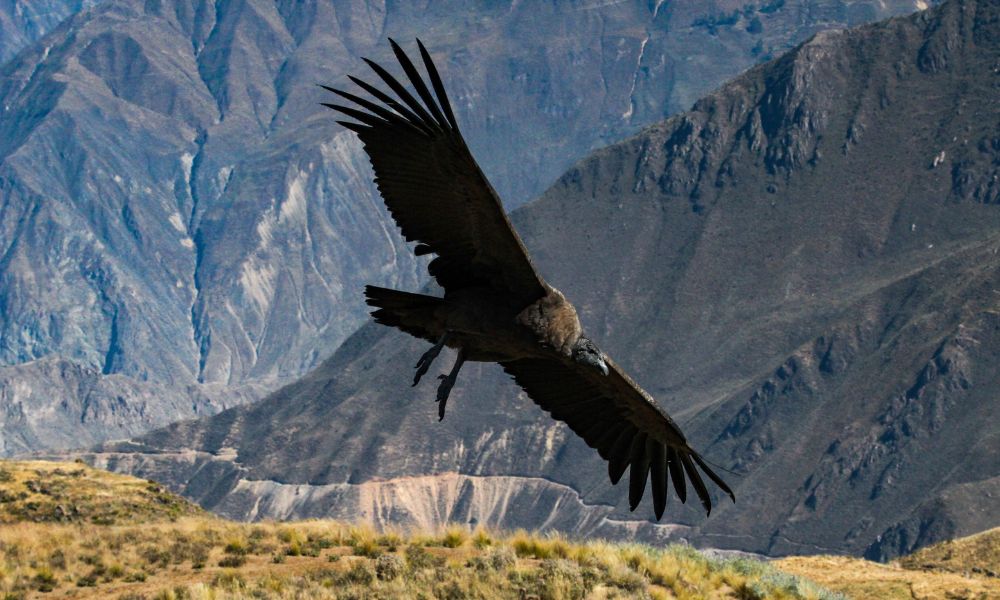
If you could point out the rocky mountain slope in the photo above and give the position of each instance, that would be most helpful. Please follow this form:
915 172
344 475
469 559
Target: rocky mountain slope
180 215
24 21
803 269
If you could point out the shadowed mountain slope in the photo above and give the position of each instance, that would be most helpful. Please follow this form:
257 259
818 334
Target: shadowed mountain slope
803 269
24 21
179 211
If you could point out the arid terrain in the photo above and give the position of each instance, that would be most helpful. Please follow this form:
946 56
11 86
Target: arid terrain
71 531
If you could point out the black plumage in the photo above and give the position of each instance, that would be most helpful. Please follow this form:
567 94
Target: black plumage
496 307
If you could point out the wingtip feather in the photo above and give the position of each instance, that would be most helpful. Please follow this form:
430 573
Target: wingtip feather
438 84
696 480
355 127
714 477
638 471
658 476
418 84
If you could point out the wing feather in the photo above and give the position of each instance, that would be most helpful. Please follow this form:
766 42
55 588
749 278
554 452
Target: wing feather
658 476
677 475
620 455
418 83
638 471
438 85
432 186
614 415
699 484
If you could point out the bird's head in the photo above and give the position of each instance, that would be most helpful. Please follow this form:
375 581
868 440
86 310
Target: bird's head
586 352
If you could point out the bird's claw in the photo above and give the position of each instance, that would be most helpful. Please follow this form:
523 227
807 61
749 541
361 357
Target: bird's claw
427 358
444 390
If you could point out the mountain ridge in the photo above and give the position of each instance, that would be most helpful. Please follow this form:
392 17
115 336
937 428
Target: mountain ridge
866 315
180 211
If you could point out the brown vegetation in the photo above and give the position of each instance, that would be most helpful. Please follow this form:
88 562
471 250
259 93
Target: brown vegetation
962 569
128 539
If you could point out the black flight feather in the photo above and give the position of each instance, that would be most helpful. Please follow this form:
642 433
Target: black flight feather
438 85
638 471
658 476
392 103
355 127
404 95
620 454
711 474
381 111
604 437
418 83
366 118
699 484
677 474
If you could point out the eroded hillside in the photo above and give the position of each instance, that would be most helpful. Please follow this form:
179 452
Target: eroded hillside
802 269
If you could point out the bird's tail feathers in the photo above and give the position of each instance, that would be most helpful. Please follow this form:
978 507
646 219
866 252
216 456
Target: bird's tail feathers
416 314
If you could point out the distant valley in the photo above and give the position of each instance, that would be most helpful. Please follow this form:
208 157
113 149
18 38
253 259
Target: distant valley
803 269
185 229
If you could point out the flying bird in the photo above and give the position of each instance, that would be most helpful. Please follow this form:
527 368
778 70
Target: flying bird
496 307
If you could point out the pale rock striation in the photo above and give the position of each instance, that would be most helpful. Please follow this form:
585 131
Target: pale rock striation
178 210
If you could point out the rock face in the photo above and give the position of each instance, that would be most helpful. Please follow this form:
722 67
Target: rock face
179 211
35 415
24 21
803 269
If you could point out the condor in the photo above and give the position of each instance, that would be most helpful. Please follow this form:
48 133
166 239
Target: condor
496 307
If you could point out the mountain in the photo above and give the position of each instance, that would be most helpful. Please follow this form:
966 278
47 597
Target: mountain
803 269
180 216
24 21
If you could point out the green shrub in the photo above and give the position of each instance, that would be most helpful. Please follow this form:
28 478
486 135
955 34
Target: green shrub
238 547
562 579
454 537
44 580
367 548
420 558
388 567
233 561
501 558
57 560
361 573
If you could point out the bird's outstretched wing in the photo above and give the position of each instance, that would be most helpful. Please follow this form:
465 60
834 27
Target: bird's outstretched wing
433 187
618 418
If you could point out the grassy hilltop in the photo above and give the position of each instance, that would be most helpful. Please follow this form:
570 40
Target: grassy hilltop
70 531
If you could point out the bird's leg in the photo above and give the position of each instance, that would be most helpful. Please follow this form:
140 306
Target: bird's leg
428 357
447 382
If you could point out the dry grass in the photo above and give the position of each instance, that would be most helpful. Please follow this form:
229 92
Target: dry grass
76 532
974 555
53 492
204 557
865 580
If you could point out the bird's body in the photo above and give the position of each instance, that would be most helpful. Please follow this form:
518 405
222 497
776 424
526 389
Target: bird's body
496 307
488 331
